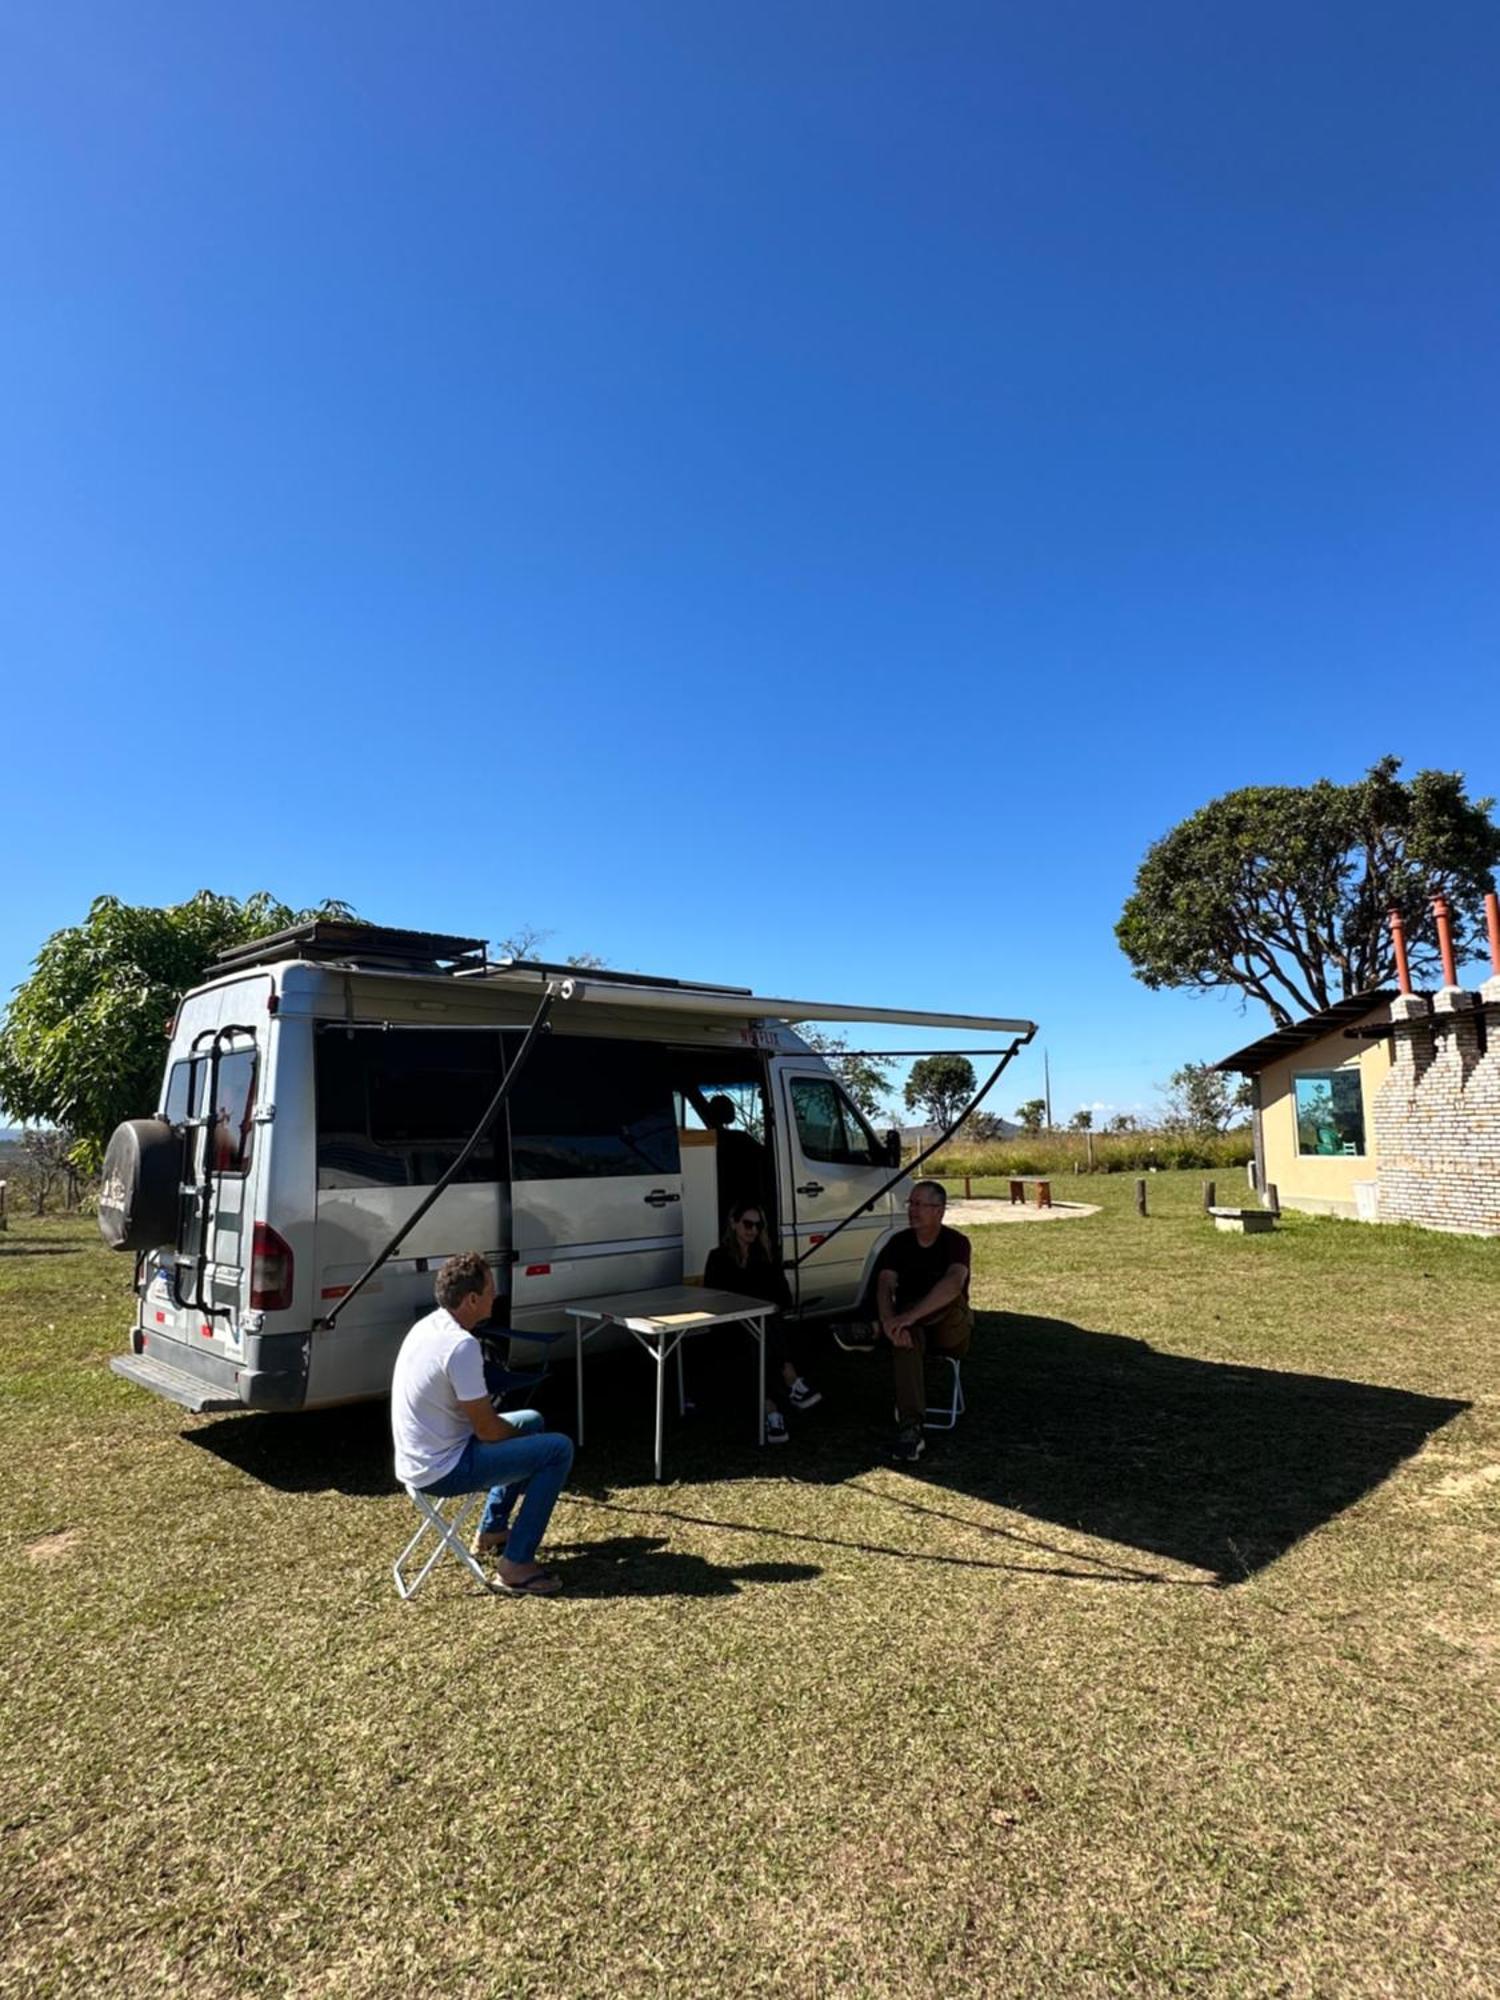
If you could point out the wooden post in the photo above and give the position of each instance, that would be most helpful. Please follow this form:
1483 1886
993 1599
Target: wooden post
1208 1196
1273 1199
1140 1197
1089 1142
4 1223
968 1191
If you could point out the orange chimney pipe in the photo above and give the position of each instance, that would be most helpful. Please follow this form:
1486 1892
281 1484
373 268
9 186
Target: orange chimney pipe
1492 925
1445 940
1398 939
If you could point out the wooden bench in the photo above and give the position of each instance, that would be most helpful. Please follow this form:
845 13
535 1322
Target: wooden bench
1019 1184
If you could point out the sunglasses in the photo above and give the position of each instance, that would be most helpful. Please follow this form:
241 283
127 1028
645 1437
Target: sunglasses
751 1222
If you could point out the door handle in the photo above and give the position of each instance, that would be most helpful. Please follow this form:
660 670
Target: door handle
811 1187
658 1198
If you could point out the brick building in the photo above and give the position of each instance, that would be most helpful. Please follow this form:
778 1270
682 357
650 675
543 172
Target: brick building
1385 1106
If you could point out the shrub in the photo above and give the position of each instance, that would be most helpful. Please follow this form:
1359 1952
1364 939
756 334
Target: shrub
1058 1153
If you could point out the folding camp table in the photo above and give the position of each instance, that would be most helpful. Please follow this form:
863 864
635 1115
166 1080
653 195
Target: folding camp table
661 1321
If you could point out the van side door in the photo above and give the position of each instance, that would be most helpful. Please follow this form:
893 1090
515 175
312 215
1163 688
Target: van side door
596 1177
832 1162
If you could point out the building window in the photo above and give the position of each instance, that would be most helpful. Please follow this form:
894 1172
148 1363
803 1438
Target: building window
1330 1113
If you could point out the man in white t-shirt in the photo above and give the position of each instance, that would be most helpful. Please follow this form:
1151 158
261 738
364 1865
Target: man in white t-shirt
450 1440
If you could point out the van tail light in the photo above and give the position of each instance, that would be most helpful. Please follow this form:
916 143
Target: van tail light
270 1271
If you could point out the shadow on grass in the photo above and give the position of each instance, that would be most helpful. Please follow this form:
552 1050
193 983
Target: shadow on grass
1217 1467
13 1249
644 1566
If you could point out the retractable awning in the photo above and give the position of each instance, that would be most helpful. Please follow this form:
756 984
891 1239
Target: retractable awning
597 989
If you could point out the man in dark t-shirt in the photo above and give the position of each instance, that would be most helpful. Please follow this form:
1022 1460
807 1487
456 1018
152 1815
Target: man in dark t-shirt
922 1292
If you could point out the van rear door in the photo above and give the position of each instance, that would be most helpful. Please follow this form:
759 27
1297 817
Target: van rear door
831 1162
596 1179
195 1288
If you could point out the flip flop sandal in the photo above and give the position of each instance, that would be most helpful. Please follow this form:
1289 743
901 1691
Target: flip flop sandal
546 1583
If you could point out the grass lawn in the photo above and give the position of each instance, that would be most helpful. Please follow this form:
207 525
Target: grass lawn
1175 1669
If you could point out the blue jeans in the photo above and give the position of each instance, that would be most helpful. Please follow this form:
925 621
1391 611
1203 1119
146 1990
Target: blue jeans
530 1468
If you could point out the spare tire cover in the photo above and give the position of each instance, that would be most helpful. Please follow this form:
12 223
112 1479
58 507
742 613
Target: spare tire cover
139 1188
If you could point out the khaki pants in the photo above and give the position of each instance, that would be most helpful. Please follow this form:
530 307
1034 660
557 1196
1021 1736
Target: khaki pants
947 1332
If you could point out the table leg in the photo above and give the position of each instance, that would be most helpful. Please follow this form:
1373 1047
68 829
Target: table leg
760 1401
681 1385
661 1398
578 1373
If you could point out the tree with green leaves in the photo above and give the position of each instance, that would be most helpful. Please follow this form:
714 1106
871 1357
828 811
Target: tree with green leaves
1081 1121
1201 1098
939 1087
1032 1113
82 1041
1281 892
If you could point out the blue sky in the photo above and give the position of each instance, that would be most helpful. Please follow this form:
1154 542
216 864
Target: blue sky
792 494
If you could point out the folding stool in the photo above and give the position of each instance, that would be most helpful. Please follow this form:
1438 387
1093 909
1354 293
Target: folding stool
449 1530
944 1416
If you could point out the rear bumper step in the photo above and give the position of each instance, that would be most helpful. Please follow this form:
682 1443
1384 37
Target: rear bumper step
172 1383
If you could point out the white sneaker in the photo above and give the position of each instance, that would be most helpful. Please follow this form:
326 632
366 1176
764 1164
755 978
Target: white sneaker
776 1430
803 1396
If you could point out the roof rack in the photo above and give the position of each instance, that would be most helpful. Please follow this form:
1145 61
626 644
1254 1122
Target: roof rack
363 944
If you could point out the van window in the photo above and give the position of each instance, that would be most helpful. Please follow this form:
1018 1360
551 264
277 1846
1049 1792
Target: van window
233 1137
233 1131
175 1107
584 1108
397 1105
829 1126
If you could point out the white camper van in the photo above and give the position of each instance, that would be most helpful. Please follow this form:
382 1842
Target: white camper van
324 1082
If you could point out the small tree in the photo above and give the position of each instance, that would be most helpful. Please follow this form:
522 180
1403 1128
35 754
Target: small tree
1081 1121
984 1128
939 1087
1121 1122
1203 1099
45 1166
1032 1113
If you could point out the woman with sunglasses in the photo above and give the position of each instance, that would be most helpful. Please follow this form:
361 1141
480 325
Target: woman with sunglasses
743 1262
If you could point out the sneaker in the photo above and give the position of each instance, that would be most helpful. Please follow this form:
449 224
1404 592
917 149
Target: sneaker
856 1337
909 1446
776 1430
803 1396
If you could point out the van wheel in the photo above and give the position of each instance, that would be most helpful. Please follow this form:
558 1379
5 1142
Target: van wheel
139 1187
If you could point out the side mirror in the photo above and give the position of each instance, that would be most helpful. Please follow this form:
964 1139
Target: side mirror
893 1149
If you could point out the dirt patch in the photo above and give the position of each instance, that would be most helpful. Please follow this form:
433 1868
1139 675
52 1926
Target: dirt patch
52 1548
961 1214
1459 1485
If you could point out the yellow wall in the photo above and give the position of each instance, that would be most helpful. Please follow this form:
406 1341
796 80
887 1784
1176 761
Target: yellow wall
1323 1184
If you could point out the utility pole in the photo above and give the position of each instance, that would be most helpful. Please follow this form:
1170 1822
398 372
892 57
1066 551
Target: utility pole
1047 1087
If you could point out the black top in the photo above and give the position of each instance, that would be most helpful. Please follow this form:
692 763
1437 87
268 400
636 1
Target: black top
758 1278
918 1270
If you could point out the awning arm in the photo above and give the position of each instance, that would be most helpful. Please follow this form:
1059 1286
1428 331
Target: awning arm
1007 1055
